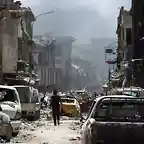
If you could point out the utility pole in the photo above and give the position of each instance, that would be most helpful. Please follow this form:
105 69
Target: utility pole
109 78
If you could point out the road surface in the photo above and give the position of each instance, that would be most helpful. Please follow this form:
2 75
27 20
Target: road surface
43 131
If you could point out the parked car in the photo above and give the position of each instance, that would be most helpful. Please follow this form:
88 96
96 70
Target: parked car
70 106
10 112
115 119
30 102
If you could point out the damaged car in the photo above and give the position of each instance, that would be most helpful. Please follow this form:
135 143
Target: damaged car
70 106
30 102
115 119
10 112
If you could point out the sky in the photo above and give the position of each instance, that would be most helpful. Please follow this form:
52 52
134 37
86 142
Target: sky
80 18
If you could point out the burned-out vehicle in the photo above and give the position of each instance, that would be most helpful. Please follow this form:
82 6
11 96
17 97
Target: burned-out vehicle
30 102
10 112
70 106
116 119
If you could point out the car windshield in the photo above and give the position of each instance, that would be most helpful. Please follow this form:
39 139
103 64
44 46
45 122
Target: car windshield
24 94
7 95
125 111
67 100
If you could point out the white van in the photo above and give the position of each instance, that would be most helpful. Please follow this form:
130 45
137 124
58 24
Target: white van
10 112
30 103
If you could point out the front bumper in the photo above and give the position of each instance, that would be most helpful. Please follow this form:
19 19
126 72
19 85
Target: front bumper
4 129
15 125
28 113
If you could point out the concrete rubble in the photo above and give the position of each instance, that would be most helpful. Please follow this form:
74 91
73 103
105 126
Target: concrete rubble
42 131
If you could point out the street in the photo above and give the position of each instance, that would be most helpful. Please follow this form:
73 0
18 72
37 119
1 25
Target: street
43 131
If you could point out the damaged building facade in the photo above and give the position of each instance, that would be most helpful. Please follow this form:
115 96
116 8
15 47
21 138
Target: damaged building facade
52 61
124 49
16 42
44 62
63 61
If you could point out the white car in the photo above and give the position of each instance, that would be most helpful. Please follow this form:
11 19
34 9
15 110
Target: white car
10 111
30 103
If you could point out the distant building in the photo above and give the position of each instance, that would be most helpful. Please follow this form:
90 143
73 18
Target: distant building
124 34
63 60
44 62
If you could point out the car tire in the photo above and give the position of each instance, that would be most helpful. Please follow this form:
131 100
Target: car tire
8 137
37 115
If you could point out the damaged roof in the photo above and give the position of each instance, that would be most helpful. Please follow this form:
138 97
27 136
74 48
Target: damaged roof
43 40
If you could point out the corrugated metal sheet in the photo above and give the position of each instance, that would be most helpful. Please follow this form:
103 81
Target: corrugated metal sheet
4 2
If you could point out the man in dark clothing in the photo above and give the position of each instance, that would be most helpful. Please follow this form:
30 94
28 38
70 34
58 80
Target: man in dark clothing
55 103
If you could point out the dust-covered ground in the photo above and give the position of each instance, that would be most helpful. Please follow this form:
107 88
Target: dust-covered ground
43 131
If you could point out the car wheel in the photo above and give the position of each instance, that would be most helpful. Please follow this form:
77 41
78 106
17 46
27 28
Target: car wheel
37 115
8 137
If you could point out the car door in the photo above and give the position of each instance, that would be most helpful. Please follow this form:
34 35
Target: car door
86 128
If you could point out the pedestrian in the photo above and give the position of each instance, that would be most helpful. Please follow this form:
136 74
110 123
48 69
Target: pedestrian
55 103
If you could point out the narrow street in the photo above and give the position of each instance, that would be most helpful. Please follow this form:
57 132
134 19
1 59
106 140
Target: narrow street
63 134
43 131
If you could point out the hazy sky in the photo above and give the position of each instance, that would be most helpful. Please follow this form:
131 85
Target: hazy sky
79 18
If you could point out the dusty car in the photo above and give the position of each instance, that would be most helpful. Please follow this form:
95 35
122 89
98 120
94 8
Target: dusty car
30 102
115 119
70 107
10 111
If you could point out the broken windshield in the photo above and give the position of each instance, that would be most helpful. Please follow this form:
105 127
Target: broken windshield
7 95
121 111
24 94
67 100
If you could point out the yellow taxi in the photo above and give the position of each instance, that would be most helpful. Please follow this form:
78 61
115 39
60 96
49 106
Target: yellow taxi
70 107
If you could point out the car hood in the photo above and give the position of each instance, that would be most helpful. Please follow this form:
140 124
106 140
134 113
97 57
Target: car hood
9 108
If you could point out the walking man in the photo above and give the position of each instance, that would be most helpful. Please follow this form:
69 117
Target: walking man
55 103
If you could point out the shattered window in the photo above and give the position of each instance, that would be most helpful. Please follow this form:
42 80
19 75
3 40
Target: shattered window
125 111
24 94
67 100
7 95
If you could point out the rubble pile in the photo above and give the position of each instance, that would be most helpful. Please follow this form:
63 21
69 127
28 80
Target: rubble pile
27 127
25 132
46 114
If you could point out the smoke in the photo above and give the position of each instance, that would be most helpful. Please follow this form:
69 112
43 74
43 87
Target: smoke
79 18
105 7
